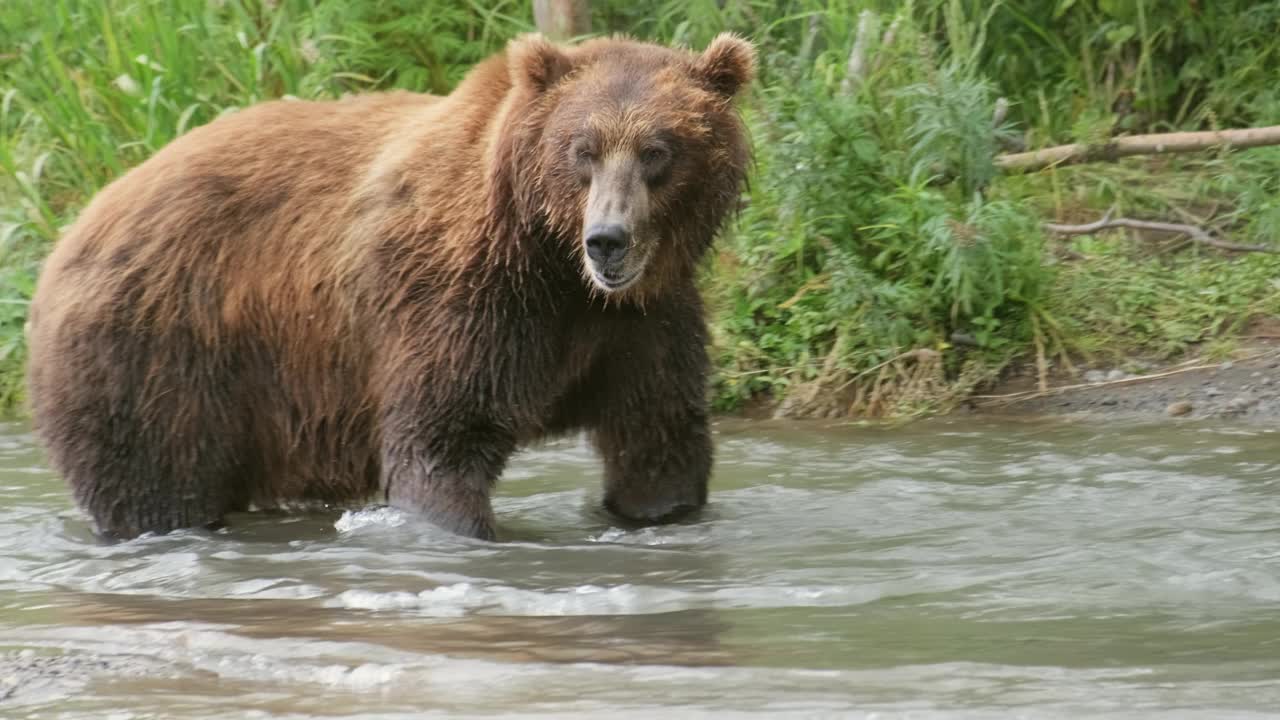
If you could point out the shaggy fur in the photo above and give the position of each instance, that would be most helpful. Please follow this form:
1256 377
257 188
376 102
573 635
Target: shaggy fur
384 296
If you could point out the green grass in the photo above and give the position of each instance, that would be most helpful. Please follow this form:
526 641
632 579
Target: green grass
876 227
1128 304
89 89
1127 294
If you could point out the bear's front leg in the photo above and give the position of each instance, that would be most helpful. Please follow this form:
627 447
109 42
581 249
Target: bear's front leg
445 472
657 465
652 427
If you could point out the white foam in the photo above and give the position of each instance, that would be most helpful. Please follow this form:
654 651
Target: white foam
368 600
361 677
652 536
610 535
353 520
465 598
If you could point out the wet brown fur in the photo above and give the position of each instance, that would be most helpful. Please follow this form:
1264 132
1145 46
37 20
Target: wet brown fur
383 297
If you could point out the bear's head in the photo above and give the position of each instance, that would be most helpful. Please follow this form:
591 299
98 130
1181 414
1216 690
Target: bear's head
631 154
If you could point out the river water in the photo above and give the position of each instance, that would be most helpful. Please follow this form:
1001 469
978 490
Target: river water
953 568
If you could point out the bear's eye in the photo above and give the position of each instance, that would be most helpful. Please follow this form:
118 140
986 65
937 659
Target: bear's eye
584 154
653 155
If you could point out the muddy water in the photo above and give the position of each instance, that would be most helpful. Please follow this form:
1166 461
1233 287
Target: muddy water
949 569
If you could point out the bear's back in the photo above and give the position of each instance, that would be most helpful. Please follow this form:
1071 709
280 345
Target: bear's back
246 169
229 211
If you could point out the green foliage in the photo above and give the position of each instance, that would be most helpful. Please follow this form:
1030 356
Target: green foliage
876 223
868 233
1156 64
1124 303
1159 295
420 45
89 89
94 88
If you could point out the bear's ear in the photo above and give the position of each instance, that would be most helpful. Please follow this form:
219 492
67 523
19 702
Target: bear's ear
536 63
727 64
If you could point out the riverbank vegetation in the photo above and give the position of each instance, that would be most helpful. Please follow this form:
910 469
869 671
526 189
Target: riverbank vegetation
883 263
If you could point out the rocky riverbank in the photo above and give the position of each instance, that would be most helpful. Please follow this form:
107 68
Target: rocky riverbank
1246 388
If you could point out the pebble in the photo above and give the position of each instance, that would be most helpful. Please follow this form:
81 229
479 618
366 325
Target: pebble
1212 391
1117 375
1095 376
1178 409
1242 403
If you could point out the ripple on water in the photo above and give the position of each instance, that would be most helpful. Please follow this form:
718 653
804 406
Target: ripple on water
945 569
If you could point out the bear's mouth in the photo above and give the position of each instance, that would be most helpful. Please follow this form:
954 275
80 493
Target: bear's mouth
614 280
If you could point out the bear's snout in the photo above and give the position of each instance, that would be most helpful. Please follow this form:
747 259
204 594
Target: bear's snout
617 236
607 245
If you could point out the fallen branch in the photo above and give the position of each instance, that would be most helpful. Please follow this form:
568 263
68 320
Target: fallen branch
1157 144
1196 234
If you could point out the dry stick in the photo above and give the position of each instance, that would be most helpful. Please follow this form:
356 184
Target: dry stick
1191 217
917 354
828 369
811 36
857 66
1196 234
998 115
1000 112
877 395
886 42
1157 144
1035 394
817 282
1042 365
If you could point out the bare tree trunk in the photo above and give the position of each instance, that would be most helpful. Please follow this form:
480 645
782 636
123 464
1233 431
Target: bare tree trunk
1178 142
562 19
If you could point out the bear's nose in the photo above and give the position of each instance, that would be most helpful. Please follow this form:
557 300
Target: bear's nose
607 243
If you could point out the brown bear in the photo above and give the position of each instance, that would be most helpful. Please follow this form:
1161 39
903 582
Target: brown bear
382 297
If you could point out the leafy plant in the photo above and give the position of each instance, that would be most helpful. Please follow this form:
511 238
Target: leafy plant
881 264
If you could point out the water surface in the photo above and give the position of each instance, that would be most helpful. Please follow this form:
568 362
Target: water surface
955 568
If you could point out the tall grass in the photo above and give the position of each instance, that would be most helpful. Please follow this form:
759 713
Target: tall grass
881 264
1145 64
94 88
89 89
